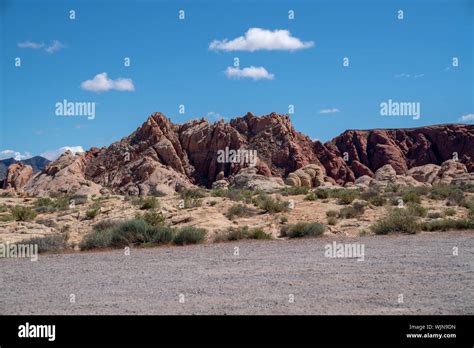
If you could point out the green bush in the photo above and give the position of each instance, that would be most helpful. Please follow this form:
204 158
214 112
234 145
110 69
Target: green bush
294 190
159 234
449 212
411 197
152 218
93 211
302 229
239 210
3 208
332 220
416 209
344 196
104 225
434 215
240 195
311 196
97 239
129 232
243 233
53 242
193 193
447 224
270 205
397 220
350 212
190 235
378 201
190 202
20 213
332 213
452 193
149 203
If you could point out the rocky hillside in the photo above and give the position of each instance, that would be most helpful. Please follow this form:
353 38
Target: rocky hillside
161 156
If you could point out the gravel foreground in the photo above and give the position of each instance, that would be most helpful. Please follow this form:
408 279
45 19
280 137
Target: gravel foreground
262 279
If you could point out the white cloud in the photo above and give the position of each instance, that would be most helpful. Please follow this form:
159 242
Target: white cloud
14 154
101 83
31 44
213 116
402 76
467 118
261 39
253 72
329 111
54 47
53 154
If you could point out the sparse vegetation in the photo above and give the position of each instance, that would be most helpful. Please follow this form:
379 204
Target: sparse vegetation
447 224
149 203
190 202
239 210
93 211
449 212
453 194
397 220
152 218
193 193
332 220
302 229
411 197
416 209
270 205
20 213
373 197
190 235
235 194
53 242
243 233
294 190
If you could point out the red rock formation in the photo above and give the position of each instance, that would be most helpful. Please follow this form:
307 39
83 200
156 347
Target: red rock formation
159 154
18 174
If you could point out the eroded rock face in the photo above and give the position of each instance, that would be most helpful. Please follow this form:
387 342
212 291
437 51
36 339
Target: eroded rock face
407 148
160 154
18 174
65 175
249 179
311 175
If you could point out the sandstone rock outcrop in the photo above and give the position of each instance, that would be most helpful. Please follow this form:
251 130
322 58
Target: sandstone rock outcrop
18 174
160 154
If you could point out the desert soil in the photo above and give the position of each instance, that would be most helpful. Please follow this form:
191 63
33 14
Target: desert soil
259 280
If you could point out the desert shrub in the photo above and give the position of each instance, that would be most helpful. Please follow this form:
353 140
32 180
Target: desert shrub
469 204
302 229
311 196
452 193
344 196
3 208
373 197
104 225
332 213
53 242
212 203
244 233
7 218
283 219
447 224
159 234
20 213
193 193
321 193
152 218
449 212
235 194
416 209
149 203
190 235
294 190
411 196
129 232
190 202
434 215
397 220
378 201
239 210
392 188
270 205
332 220
350 212
92 213
97 239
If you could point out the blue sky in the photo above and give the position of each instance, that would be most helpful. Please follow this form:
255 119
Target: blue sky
406 60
